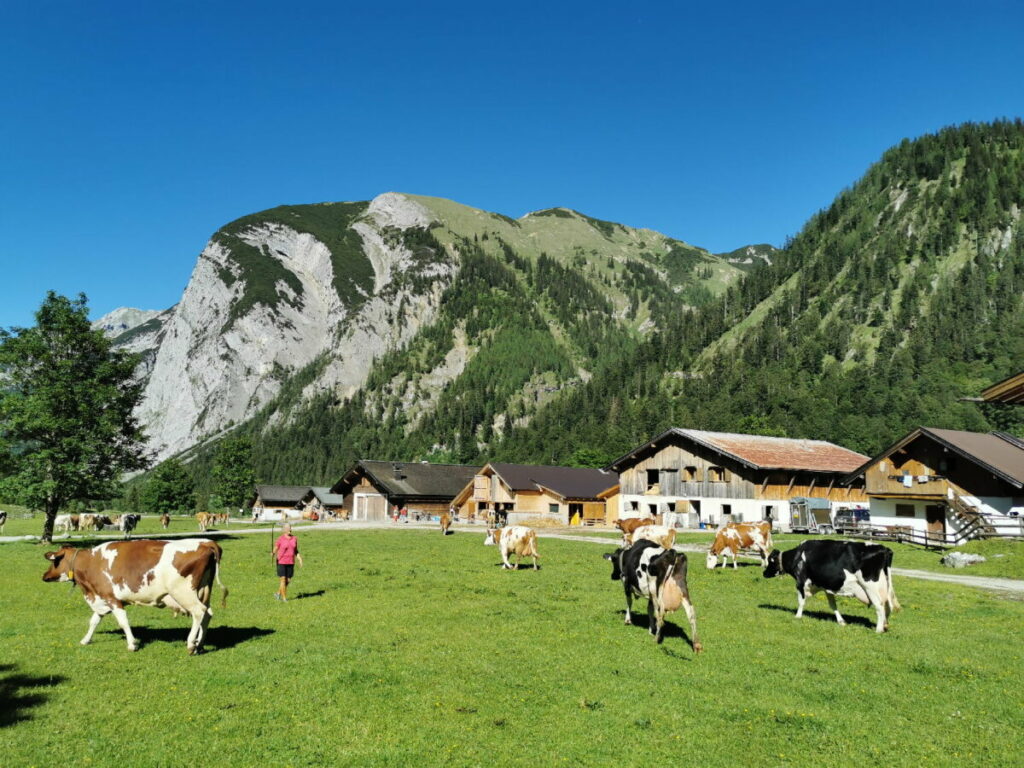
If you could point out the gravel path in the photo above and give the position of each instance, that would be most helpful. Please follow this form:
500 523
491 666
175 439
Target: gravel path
980 582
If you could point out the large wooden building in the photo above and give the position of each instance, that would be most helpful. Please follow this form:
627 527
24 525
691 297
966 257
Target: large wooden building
514 493
690 477
1009 391
371 489
937 480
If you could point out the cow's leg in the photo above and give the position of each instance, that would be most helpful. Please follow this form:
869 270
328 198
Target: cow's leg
629 604
733 553
94 622
691 615
832 606
504 559
801 598
122 619
879 603
653 619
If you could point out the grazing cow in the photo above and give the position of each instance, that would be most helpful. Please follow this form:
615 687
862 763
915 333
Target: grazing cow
514 539
847 568
629 524
102 521
649 570
175 574
205 520
659 534
730 539
87 522
127 524
165 521
3 521
446 523
67 523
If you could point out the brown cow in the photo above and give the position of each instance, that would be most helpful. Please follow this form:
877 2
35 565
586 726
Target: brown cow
659 534
165 520
629 524
174 574
446 523
514 539
730 539
205 520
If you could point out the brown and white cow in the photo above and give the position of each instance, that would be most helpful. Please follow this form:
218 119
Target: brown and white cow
732 538
165 521
446 523
629 524
515 540
67 523
174 574
87 523
659 534
205 520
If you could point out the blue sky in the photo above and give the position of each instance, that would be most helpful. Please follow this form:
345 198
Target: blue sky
129 132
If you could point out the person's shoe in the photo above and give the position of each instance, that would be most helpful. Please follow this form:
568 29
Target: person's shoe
277 595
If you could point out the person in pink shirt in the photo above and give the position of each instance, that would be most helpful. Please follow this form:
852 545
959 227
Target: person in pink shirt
286 552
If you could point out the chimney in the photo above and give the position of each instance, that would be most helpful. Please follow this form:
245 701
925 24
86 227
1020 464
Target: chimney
397 468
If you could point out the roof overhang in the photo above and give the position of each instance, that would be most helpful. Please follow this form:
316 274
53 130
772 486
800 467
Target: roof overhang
1006 392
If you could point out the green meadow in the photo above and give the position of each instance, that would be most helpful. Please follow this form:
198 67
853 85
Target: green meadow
406 648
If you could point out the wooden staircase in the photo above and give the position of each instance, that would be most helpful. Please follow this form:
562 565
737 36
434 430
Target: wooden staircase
973 523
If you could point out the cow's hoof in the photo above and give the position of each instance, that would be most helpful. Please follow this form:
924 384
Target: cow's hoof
697 647
133 647
83 642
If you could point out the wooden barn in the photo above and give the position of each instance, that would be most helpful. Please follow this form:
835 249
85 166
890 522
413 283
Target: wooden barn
939 481
371 489
512 493
1007 392
689 477
278 502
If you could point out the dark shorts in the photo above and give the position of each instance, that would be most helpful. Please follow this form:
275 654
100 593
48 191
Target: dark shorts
287 571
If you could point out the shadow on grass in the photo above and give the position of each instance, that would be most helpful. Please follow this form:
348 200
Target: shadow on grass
16 699
821 615
217 638
304 595
742 564
668 630
526 565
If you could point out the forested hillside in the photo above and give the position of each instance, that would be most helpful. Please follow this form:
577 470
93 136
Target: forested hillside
573 343
901 298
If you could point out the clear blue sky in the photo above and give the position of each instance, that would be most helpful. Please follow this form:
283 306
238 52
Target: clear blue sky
131 131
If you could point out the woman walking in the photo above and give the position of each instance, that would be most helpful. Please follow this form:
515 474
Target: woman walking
286 551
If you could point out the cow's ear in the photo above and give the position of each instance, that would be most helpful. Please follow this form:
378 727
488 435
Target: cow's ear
609 555
52 556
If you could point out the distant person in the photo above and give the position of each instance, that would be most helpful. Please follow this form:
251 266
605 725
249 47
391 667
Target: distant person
286 552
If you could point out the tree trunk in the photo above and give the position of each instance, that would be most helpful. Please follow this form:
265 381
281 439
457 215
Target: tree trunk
52 506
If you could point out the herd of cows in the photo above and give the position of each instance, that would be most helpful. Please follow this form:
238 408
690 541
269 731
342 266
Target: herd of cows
180 574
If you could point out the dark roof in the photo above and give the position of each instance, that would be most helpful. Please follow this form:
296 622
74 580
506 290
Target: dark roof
1001 454
1009 391
567 482
762 452
414 480
326 497
282 494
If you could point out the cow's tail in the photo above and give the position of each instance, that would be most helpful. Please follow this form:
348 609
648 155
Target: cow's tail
894 603
216 575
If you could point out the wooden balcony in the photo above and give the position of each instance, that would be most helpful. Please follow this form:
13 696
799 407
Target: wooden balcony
935 487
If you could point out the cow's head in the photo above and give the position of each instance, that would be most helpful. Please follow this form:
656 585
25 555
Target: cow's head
620 525
712 561
774 567
616 559
60 565
492 536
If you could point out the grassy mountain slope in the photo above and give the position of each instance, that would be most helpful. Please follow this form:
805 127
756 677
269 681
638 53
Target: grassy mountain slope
902 297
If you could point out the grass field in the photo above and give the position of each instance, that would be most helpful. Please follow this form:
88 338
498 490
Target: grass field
406 648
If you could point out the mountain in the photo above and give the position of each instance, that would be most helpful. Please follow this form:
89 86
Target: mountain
123 319
434 323
417 328
903 297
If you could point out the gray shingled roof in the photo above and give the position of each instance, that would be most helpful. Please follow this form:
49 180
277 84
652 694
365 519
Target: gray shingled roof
567 482
326 497
282 494
414 480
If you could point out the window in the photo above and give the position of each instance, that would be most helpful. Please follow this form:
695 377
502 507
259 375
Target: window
635 506
691 475
671 506
652 480
727 509
652 510
718 474
553 509
905 510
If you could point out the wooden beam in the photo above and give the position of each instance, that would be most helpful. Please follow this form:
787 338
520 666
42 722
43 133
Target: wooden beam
792 481
810 488
831 483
